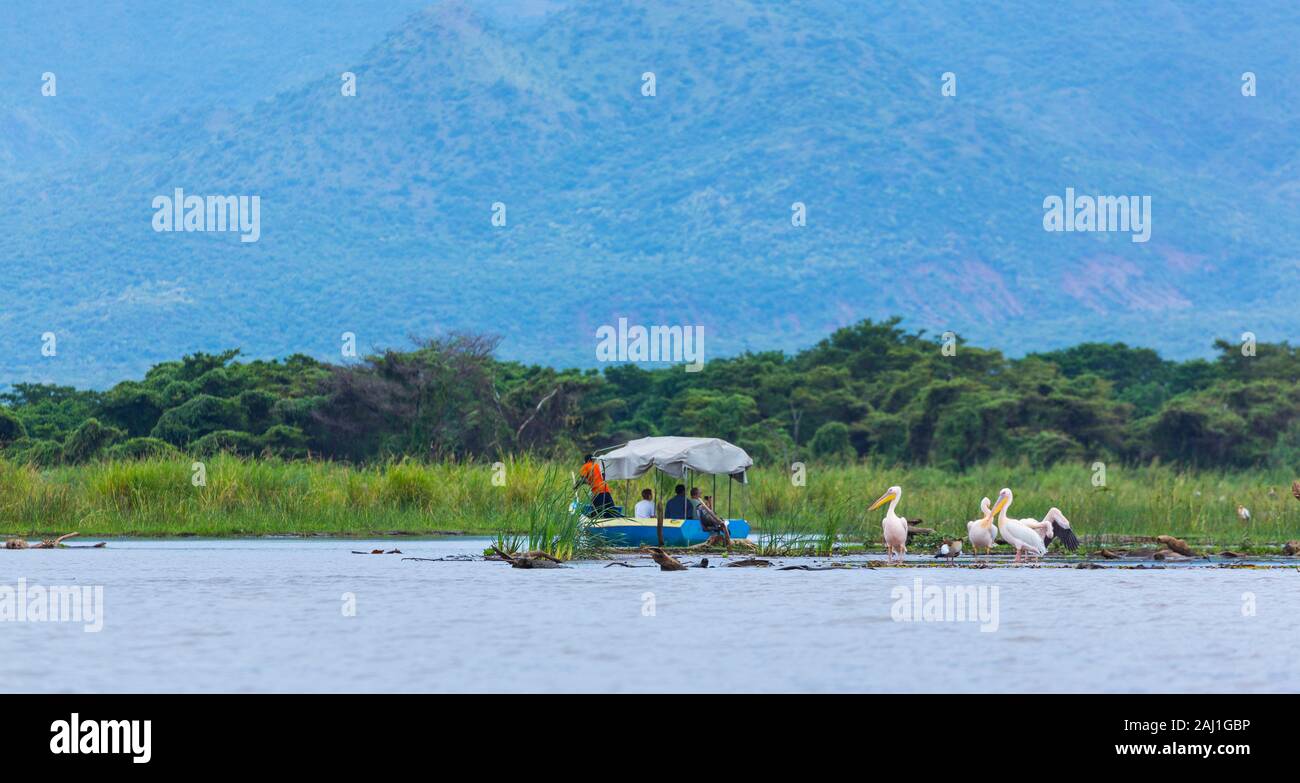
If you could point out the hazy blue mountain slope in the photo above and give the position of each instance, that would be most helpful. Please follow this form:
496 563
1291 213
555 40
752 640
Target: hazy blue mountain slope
123 65
676 209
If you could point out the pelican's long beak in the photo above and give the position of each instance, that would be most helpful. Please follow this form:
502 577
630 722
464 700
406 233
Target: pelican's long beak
885 498
997 507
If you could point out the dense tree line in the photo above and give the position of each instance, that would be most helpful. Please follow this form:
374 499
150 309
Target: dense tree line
869 389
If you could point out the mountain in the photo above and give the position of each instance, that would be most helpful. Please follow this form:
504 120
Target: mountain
376 210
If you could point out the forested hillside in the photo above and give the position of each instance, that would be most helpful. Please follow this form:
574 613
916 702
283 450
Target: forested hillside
872 389
676 208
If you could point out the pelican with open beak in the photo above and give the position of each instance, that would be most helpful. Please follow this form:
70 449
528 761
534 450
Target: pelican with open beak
982 532
894 526
1014 531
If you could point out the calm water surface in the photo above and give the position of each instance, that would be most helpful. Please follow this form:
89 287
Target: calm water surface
268 615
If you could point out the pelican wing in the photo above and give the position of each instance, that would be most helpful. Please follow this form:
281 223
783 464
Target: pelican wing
1061 529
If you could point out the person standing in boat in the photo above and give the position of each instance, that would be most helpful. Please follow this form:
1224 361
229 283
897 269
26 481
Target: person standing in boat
602 501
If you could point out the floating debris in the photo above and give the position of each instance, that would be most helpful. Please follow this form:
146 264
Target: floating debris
666 561
751 561
1176 544
48 543
534 559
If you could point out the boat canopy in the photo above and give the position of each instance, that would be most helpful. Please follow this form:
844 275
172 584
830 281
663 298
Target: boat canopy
674 456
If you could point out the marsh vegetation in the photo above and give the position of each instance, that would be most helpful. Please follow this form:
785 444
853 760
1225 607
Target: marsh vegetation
525 501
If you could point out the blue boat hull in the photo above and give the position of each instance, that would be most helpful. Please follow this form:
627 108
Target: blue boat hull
623 531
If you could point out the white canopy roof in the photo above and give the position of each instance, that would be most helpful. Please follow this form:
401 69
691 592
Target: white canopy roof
674 456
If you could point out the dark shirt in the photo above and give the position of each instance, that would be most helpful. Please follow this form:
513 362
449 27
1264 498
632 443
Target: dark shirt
678 508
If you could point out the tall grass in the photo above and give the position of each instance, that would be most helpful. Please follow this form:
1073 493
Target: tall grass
157 497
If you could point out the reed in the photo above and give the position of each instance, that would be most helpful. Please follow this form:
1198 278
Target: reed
158 497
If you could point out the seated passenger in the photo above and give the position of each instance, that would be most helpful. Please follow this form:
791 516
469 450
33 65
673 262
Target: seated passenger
645 507
678 507
713 523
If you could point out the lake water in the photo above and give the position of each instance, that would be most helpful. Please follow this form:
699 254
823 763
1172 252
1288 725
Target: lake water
273 615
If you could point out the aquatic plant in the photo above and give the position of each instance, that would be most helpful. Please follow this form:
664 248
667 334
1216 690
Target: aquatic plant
158 496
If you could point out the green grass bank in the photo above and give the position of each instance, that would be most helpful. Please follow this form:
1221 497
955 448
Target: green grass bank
251 497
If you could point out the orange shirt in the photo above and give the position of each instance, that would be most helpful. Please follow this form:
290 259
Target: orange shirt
591 472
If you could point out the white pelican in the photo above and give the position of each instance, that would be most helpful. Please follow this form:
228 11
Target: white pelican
1054 525
1014 531
982 532
894 526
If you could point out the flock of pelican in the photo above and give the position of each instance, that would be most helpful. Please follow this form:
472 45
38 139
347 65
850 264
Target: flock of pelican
1029 537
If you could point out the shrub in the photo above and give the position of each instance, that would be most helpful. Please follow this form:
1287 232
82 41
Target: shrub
36 451
141 448
88 440
11 428
285 440
831 441
199 417
228 441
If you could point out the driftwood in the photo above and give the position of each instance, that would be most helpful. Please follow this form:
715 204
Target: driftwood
752 561
914 529
1109 555
718 543
666 561
48 543
378 552
1170 555
1177 544
1230 553
534 559
1088 566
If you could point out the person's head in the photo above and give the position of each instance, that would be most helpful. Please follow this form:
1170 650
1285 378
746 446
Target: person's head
586 458
680 489
695 492
708 501
646 494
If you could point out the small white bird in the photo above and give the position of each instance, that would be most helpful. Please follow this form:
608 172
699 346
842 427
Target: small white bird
1243 513
893 526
